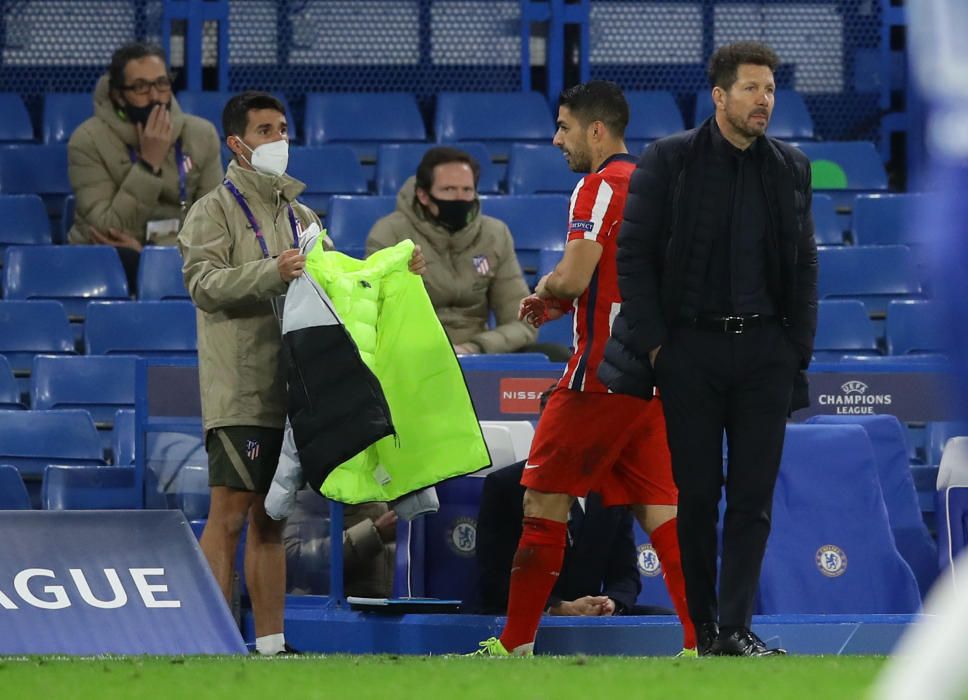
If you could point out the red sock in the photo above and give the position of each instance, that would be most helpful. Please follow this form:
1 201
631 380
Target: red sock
534 571
665 540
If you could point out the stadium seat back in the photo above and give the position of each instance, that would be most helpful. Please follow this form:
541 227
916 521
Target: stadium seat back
9 389
540 169
13 493
536 222
652 115
63 113
889 219
846 561
30 440
363 116
15 125
84 487
351 217
160 274
497 119
145 328
23 221
916 326
889 443
826 225
451 539
34 169
72 275
845 165
873 274
843 327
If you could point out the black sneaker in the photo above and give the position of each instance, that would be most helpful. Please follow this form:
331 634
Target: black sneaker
289 651
742 642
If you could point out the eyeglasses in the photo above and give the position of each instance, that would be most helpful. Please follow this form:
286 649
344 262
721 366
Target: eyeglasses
143 87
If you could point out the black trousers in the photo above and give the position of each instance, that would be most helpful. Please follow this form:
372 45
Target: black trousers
713 383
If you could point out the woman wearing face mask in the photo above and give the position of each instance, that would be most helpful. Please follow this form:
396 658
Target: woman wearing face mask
139 163
472 269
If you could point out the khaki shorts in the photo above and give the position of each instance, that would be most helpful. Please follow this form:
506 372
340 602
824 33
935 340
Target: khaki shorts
243 457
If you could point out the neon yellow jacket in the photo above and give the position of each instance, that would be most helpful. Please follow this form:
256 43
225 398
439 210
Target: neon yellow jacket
389 316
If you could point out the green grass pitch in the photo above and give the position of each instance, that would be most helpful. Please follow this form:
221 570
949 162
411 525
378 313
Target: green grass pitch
446 677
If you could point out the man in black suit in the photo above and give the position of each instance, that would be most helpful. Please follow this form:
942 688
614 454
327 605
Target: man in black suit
717 269
599 575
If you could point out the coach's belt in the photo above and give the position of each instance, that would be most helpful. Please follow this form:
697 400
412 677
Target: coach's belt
731 324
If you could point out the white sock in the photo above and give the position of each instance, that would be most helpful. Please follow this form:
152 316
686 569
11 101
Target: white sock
271 644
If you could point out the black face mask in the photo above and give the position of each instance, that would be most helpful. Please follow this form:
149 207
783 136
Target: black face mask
454 214
139 115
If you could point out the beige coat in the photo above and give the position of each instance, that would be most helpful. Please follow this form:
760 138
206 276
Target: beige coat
462 295
111 192
239 340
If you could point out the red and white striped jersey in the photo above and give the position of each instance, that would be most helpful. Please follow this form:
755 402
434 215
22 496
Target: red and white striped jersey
596 215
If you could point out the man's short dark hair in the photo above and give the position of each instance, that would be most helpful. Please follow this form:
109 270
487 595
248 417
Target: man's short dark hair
235 116
441 155
597 101
134 51
725 62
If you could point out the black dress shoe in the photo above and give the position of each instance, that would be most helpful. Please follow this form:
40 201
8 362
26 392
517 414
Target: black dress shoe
742 642
706 635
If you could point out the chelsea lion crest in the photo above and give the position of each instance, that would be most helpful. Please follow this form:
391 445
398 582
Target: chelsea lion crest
831 560
648 561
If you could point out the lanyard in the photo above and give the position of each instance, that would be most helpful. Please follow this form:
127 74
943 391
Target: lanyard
180 161
230 186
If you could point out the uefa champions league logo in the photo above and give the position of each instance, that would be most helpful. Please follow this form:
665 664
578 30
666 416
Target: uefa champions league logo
831 560
462 537
648 561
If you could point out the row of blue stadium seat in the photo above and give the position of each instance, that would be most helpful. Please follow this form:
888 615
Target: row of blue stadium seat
878 219
335 169
361 119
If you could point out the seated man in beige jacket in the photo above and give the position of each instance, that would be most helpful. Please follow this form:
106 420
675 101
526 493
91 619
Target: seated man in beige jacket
139 163
471 266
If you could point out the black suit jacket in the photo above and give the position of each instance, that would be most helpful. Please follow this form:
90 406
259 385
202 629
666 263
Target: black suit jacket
655 241
600 557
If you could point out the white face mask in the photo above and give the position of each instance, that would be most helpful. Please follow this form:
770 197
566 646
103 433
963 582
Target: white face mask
269 158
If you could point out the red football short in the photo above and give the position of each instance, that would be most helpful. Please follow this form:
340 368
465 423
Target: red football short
613 444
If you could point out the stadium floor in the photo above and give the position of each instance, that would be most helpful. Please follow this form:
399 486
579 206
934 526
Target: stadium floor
361 677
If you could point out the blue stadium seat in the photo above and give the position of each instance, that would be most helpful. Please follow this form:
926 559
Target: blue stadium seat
831 550
208 104
395 162
30 440
548 259
535 169
160 274
351 218
72 275
451 539
9 389
856 164
192 494
654 591
101 385
13 493
652 115
35 169
82 487
843 328
889 219
66 219
916 327
826 225
28 328
791 118
122 437
873 274
64 112
145 328
952 525
167 455
326 170
561 331
363 120
888 440
537 222
23 220
487 117
939 432
15 125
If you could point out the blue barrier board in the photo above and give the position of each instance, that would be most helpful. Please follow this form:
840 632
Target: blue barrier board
108 582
